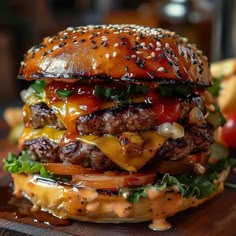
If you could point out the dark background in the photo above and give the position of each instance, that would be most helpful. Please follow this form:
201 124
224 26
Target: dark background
208 23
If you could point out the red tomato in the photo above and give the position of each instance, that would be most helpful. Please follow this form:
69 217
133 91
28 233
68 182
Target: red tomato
229 130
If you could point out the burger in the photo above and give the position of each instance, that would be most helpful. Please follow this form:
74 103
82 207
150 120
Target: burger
118 126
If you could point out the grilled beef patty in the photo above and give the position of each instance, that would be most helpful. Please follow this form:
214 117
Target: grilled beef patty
196 139
115 120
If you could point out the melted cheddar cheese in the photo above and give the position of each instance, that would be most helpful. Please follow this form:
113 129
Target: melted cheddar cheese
109 145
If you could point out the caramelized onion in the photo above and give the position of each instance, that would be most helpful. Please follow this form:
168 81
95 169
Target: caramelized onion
196 116
169 130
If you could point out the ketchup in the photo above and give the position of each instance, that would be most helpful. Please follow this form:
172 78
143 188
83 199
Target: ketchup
79 93
167 109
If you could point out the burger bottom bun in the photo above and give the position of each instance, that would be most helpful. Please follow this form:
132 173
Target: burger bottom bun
86 204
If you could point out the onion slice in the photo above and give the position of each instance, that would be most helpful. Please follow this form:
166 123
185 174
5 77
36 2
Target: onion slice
110 180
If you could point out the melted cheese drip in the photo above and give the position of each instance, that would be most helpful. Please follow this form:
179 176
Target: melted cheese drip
112 148
29 133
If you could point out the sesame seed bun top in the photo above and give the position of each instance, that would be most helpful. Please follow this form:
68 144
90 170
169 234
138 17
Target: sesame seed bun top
118 52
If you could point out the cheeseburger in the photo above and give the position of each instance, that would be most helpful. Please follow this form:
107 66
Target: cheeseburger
118 126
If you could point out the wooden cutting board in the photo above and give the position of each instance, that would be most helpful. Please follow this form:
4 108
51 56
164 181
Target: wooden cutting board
215 217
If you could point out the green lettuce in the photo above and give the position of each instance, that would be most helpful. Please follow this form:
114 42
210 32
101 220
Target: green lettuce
23 164
200 186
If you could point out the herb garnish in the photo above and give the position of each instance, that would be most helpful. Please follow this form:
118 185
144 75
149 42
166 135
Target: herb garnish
64 93
215 89
119 95
38 86
219 114
177 90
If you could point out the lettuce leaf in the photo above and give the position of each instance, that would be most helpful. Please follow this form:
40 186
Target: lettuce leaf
23 164
200 186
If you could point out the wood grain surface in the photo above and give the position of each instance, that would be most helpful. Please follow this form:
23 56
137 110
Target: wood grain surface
214 218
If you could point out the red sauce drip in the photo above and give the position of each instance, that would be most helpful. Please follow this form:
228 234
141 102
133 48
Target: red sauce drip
81 92
167 108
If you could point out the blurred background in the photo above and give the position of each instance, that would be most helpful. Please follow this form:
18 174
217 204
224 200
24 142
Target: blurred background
211 24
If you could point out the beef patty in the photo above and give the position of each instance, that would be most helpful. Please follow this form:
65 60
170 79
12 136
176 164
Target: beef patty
196 140
115 120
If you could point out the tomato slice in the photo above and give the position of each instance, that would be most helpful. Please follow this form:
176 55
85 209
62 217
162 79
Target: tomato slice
67 169
109 180
229 130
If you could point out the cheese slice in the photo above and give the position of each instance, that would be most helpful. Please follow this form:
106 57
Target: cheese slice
112 148
29 133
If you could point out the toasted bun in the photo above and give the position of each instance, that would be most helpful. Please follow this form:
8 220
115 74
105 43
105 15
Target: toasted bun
120 52
86 204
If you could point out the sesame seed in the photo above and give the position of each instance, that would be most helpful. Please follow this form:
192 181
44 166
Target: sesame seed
50 40
199 52
116 45
107 55
151 45
133 56
104 38
185 40
69 28
148 57
62 44
167 45
138 52
55 47
157 49
153 54
142 44
158 44
160 69
114 54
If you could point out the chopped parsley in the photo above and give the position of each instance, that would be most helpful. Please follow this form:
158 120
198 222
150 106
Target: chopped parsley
64 93
177 90
119 95
215 89
38 86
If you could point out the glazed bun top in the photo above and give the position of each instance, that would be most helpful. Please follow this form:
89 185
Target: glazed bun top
118 52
